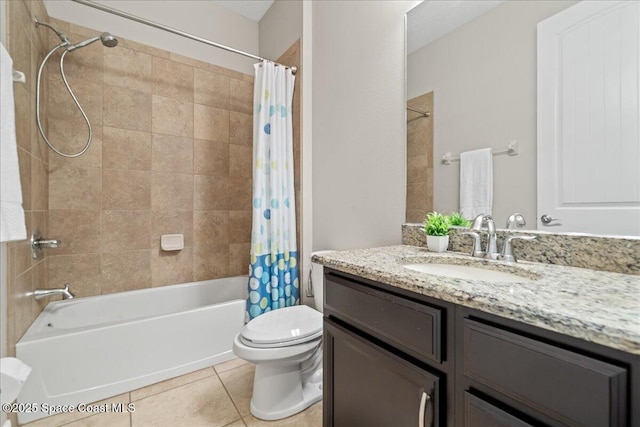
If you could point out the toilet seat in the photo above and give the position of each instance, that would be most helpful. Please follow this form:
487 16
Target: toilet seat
284 327
303 340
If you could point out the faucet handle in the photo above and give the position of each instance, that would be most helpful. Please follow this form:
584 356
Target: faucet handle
37 243
483 220
477 222
476 249
515 220
507 251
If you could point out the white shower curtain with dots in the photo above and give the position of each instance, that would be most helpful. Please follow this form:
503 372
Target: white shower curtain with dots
273 271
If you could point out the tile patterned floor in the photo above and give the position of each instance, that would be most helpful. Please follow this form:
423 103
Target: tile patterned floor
217 396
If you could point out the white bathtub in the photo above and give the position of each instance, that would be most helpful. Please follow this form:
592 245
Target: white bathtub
88 349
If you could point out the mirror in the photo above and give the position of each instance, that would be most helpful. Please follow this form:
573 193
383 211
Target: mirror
476 63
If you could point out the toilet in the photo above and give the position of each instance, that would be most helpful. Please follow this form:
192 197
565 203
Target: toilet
286 347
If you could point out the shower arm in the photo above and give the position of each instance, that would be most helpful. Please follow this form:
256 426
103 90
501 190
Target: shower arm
65 41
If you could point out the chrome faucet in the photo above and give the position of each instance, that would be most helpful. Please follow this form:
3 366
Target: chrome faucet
515 220
481 222
38 243
507 251
45 293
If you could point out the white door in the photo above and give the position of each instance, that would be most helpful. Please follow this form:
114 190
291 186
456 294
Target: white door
589 119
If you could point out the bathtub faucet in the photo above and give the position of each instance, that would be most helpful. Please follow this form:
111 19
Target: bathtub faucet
45 293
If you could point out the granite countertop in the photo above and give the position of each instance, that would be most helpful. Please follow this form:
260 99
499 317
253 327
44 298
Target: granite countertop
595 306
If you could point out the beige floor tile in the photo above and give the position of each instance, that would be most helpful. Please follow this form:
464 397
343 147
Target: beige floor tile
230 364
66 418
238 423
310 417
156 388
239 385
200 403
110 419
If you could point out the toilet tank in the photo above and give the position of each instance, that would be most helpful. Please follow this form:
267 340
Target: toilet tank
317 281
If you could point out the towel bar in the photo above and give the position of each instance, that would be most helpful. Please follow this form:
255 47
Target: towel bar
512 150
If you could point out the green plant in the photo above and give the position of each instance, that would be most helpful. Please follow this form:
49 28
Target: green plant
436 224
457 219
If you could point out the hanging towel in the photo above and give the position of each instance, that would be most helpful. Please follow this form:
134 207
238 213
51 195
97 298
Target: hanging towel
476 183
12 225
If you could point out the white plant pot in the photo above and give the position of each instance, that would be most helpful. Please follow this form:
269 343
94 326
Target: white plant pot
437 243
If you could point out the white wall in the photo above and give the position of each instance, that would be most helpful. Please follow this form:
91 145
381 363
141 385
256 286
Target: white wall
280 27
200 18
484 80
358 123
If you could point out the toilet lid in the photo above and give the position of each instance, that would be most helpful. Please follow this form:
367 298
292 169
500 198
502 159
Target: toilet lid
284 325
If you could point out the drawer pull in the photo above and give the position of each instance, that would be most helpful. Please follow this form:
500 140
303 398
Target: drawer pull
421 414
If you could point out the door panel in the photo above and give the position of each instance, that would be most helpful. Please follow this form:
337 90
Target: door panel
589 118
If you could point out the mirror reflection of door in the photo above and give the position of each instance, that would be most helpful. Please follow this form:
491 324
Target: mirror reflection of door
589 119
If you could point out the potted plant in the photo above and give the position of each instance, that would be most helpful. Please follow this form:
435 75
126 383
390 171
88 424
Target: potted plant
436 227
456 219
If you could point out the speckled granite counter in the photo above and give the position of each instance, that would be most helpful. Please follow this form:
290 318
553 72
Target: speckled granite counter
596 306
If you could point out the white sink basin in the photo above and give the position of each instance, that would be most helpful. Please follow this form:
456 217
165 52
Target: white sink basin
468 273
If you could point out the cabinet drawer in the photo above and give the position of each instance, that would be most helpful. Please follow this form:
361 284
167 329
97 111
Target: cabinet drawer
410 326
569 387
478 413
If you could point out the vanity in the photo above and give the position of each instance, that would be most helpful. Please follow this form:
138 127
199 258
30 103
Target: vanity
545 345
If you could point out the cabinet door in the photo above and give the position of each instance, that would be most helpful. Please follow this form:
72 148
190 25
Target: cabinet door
366 385
572 388
479 413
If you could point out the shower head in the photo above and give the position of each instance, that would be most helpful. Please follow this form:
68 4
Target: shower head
107 39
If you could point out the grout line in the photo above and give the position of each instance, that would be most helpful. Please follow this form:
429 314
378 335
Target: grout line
229 394
172 388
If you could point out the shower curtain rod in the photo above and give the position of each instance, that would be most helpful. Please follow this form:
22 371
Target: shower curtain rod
424 113
174 31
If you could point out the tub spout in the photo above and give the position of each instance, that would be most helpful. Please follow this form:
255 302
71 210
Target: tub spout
45 293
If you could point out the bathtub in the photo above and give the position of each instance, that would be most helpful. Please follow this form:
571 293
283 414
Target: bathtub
88 349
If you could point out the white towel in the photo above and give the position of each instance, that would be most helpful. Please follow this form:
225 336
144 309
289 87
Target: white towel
12 225
476 183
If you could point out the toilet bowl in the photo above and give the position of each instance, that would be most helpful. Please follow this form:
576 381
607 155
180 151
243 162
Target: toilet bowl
286 347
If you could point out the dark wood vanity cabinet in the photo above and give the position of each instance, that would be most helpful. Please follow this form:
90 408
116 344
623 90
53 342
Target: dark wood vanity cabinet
395 358
371 386
518 375
386 360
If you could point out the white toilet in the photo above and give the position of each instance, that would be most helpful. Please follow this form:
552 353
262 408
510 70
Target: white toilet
286 346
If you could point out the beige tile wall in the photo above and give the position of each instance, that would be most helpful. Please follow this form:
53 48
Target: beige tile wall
419 158
172 140
293 57
172 154
27 46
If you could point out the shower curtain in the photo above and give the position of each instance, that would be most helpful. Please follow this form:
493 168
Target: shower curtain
273 271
